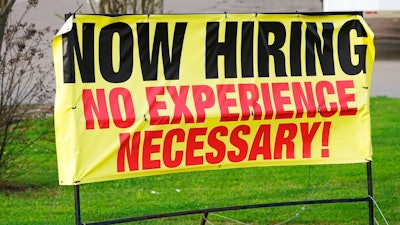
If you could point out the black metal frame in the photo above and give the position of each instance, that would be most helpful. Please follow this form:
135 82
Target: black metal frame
205 212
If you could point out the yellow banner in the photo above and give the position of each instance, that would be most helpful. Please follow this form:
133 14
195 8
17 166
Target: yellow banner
142 95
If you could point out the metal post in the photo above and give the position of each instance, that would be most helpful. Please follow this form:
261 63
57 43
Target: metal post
370 194
70 69
77 205
204 218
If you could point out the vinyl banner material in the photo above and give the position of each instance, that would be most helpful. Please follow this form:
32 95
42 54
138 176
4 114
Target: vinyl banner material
141 95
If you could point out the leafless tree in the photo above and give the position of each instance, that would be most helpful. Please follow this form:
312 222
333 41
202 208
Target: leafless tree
125 6
5 9
23 83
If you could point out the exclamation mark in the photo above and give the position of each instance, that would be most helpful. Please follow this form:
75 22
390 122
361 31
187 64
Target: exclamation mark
325 140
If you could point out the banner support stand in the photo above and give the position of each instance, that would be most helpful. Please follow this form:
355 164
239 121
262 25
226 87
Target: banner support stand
77 205
206 212
370 194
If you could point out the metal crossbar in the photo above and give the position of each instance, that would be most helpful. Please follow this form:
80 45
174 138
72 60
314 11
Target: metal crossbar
205 212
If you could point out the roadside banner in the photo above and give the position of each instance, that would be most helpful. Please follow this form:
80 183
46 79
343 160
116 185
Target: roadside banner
141 95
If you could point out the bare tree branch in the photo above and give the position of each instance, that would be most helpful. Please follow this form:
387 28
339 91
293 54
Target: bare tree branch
23 82
125 6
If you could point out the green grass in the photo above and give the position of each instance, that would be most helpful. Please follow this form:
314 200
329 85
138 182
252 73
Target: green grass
36 198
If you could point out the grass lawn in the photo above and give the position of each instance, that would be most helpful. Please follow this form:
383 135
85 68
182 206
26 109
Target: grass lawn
36 198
